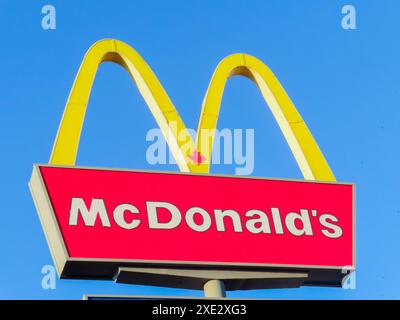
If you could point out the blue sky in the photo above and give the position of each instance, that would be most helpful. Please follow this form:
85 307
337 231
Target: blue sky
343 82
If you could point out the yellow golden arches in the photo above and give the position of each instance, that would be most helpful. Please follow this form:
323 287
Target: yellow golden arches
66 144
308 156
306 151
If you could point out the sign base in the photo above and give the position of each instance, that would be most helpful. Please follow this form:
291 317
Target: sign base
197 279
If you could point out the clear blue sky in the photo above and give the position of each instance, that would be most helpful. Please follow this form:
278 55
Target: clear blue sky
344 83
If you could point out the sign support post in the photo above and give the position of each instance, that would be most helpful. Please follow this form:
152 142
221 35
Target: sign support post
214 289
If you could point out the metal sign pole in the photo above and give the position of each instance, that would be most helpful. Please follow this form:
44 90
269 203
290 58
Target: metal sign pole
214 289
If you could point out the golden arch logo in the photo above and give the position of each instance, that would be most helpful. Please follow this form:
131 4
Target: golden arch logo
302 144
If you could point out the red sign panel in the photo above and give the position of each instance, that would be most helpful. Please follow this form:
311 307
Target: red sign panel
117 215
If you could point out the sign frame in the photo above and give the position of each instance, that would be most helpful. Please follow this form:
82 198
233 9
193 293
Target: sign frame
93 268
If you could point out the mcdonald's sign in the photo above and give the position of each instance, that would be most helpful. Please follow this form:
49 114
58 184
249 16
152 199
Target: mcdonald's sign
99 221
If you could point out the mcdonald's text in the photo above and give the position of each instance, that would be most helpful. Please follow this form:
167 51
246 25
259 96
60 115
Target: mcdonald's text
127 216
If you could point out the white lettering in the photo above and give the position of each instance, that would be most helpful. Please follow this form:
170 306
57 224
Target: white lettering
152 213
97 209
119 216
